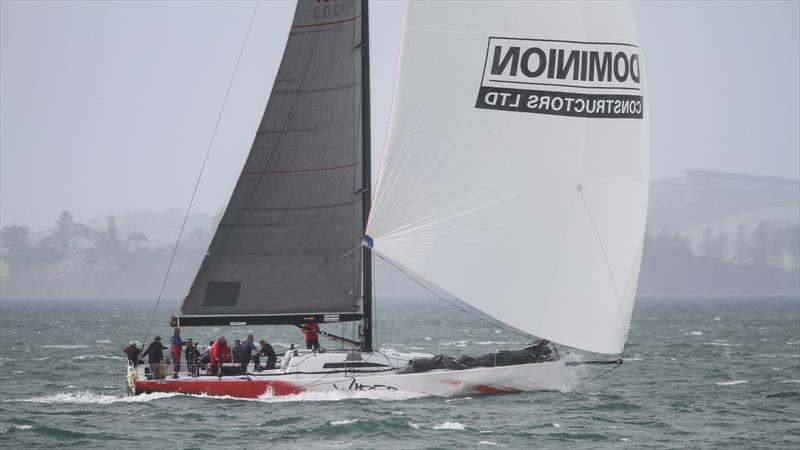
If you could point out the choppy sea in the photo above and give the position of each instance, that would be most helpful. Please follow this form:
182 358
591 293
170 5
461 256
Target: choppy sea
711 373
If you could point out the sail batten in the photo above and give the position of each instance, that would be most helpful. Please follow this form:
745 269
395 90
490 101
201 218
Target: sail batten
283 249
515 172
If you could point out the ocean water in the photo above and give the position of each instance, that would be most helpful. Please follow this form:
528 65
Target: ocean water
698 374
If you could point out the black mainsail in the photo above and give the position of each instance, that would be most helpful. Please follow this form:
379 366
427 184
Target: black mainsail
287 249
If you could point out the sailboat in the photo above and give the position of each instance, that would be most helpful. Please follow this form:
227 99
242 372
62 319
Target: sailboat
514 178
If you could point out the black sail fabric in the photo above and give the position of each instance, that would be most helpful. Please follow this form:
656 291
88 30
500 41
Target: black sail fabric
287 243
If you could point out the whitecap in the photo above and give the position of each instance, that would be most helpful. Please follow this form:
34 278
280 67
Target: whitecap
790 381
457 399
397 413
42 359
486 443
632 359
695 333
717 319
497 331
16 427
86 397
556 425
450 426
428 338
731 383
456 343
66 346
96 357
18 372
342 422
337 395
624 440
413 425
103 341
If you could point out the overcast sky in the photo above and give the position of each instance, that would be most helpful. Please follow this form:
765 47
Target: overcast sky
108 107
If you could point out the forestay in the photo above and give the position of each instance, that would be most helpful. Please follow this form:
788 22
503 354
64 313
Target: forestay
515 173
284 247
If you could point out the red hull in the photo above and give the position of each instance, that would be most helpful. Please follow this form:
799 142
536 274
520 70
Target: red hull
239 387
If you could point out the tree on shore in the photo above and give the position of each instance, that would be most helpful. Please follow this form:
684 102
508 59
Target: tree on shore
16 248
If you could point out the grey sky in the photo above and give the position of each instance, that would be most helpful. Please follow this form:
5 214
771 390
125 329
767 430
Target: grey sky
107 107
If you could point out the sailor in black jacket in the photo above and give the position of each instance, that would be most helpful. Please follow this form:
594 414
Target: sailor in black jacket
155 353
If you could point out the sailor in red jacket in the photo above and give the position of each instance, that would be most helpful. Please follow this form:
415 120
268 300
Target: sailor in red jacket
220 353
311 330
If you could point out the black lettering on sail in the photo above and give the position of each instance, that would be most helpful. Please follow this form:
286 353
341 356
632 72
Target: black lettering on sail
621 73
526 62
601 68
512 57
571 78
635 68
571 64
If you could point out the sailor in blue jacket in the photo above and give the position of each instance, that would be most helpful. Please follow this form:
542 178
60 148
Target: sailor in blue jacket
247 351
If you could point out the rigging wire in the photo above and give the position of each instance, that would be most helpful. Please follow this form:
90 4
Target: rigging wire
202 169
451 303
374 307
596 377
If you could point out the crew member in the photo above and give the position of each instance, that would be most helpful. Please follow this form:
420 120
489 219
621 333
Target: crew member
132 351
176 345
311 330
220 353
155 353
246 351
192 355
269 352
239 357
205 357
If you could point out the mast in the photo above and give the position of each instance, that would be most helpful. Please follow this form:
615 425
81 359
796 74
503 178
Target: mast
366 191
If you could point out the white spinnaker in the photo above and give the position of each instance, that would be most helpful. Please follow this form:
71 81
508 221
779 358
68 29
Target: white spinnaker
535 219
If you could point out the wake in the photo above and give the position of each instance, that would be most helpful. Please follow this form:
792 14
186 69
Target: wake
87 397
